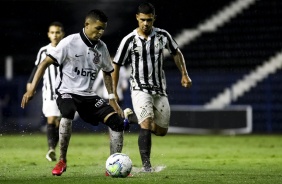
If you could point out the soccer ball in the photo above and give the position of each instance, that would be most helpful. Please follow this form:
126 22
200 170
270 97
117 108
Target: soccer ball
118 165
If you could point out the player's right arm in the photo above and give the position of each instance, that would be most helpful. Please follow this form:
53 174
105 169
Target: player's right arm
31 77
40 55
36 79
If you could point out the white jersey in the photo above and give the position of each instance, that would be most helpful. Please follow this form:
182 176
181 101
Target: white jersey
80 61
49 77
146 59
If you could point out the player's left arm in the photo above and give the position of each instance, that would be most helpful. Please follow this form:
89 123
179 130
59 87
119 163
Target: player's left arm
37 77
108 81
180 63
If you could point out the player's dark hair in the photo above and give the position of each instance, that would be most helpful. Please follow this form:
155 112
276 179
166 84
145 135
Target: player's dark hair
98 15
146 8
58 24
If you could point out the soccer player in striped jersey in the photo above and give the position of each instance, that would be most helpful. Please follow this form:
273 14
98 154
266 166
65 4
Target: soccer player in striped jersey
49 105
143 49
80 57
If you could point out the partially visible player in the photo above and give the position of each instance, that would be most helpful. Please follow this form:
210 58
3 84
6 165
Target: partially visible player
80 57
143 48
121 89
49 106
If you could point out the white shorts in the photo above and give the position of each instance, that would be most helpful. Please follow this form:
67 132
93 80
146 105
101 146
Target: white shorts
155 106
50 108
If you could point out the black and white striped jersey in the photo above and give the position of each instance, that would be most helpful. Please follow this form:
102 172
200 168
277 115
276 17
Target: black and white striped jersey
49 77
80 61
146 59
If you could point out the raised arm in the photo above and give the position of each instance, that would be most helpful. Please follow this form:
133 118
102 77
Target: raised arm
180 63
36 79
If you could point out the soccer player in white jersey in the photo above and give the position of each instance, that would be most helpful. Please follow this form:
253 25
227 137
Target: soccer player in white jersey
49 105
80 57
143 49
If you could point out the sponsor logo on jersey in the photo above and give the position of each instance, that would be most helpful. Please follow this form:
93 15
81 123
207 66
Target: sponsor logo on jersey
137 50
99 103
86 72
97 56
148 86
66 95
160 44
76 55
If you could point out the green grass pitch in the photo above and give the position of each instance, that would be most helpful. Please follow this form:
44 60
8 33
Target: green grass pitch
205 159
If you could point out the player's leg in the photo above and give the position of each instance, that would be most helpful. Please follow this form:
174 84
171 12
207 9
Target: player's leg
107 115
157 125
52 113
116 137
116 141
161 116
68 109
64 138
116 126
143 107
145 144
52 136
98 110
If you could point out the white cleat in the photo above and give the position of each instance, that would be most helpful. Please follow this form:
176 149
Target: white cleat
127 112
51 155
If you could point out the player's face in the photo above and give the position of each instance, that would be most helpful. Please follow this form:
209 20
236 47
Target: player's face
55 34
145 22
95 29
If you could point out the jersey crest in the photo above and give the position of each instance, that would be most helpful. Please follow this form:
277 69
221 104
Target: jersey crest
97 56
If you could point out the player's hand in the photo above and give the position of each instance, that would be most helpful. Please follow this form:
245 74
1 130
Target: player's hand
116 107
186 81
26 98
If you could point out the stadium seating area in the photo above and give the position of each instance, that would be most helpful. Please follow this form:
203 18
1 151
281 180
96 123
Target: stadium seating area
216 60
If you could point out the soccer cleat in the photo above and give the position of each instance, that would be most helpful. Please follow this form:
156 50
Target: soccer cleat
51 155
127 112
147 169
60 167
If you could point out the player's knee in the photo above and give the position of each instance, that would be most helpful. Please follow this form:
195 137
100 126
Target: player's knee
160 134
115 122
68 112
52 120
147 123
160 131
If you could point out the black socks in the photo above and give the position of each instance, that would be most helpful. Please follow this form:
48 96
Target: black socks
52 135
132 118
145 144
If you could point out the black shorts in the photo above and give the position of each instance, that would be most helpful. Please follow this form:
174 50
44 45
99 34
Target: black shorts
91 109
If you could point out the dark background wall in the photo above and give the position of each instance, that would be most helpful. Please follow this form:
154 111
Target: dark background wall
215 60
24 24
